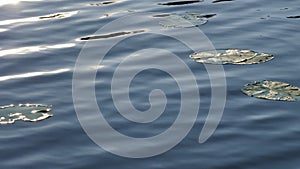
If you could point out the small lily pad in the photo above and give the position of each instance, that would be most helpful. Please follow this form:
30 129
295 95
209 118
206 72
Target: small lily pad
231 56
217 1
180 2
272 90
184 20
59 15
26 112
102 3
111 35
294 17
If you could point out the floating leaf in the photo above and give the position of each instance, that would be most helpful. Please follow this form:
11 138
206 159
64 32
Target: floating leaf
272 90
208 15
180 2
26 112
231 56
59 15
184 20
260 58
102 3
294 17
111 35
217 1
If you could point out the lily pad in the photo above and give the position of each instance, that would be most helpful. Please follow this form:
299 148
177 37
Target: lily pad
184 20
102 3
272 90
111 35
26 112
59 15
294 17
217 1
180 2
231 56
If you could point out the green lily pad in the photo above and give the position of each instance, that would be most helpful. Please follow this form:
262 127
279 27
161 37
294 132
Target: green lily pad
183 20
231 56
26 112
272 90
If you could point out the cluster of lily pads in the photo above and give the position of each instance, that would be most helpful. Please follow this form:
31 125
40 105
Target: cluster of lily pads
271 90
25 112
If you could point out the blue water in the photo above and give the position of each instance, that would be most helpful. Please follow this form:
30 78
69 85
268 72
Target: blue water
253 133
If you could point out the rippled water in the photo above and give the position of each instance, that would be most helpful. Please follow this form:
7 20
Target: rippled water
40 42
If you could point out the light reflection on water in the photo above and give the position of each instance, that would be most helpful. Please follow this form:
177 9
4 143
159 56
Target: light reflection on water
33 74
15 2
39 18
31 49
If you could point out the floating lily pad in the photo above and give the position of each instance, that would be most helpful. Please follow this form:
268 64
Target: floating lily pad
231 56
59 15
217 1
272 90
294 17
111 35
183 20
102 3
26 112
180 2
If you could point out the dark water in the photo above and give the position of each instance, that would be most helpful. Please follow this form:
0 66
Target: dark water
253 133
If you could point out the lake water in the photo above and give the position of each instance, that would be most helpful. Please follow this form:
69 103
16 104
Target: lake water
38 54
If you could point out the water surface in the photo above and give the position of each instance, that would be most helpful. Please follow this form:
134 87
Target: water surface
40 42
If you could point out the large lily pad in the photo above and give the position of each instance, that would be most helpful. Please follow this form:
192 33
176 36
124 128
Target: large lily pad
183 20
26 112
231 56
272 90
